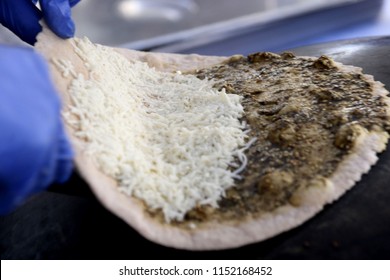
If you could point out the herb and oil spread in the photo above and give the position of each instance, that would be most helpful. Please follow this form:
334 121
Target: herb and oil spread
306 114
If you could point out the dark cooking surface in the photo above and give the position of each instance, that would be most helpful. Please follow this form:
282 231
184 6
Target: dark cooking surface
67 221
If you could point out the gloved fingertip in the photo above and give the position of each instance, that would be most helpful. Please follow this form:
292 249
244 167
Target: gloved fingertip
65 29
57 15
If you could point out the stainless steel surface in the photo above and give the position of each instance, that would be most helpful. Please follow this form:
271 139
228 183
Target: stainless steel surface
144 23
243 36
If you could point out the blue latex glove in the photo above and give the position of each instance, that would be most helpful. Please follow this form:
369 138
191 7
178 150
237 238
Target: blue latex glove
22 17
34 150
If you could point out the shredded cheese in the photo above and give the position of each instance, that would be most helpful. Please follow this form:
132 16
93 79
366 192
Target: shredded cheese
168 139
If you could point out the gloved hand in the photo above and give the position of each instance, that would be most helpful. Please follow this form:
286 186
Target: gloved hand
34 150
22 17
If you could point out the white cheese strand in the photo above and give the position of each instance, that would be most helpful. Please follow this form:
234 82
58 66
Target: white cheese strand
168 139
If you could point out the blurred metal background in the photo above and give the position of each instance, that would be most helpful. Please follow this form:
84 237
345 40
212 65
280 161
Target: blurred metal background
217 27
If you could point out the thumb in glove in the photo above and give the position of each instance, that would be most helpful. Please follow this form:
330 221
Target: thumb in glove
22 17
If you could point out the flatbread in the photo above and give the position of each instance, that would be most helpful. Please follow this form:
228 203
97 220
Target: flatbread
217 231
